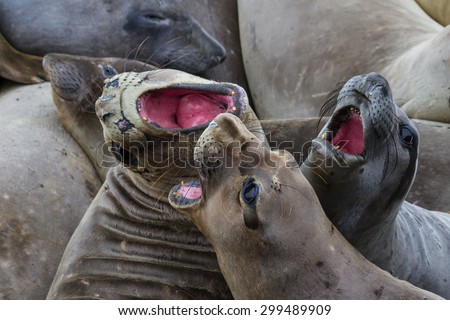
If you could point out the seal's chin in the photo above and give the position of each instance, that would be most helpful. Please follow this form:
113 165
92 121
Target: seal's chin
180 108
345 131
185 194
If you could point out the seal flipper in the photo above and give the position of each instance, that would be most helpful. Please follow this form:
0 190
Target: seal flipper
18 66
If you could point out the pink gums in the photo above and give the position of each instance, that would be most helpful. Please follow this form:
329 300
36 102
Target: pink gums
179 109
350 137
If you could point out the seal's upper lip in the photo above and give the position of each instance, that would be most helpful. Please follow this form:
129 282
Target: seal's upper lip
181 108
345 131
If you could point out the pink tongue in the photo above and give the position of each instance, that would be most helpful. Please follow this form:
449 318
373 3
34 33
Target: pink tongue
169 111
190 192
350 137
162 110
196 109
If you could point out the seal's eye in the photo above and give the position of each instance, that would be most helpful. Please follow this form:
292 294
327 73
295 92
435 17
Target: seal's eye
406 136
250 192
108 71
249 196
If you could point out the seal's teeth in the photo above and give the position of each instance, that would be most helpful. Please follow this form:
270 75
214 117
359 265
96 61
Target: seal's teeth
232 93
324 136
182 183
336 147
233 108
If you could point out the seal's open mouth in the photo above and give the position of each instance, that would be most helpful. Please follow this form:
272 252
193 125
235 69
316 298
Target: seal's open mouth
347 131
185 194
181 108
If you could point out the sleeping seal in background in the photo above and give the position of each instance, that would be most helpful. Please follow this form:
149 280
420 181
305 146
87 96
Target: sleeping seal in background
296 53
362 166
270 234
158 31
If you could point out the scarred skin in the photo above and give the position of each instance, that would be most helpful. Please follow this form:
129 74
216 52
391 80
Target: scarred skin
276 243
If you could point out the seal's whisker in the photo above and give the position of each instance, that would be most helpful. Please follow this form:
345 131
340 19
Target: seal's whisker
172 61
330 104
140 47
316 173
159 48
294 188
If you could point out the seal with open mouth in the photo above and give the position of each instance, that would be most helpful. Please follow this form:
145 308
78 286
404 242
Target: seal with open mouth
270 234
131 243
362 166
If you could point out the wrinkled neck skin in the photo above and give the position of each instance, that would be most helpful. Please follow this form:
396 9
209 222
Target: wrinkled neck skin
316 263
131 244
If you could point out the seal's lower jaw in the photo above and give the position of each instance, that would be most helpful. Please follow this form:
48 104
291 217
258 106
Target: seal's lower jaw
188 109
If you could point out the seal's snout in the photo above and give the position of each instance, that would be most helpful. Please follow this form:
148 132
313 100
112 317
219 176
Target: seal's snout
373 84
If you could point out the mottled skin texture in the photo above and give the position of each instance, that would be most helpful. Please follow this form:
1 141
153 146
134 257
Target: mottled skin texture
131 243
46 185
296 53
364 196
283 246
158 31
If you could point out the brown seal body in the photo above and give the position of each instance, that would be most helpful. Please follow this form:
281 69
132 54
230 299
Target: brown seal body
131 243
18 66
439 10
270 234
46 185
362 165
296 53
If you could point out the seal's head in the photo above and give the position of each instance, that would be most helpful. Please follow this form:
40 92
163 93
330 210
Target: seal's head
153 119
265 222
244 196
365 158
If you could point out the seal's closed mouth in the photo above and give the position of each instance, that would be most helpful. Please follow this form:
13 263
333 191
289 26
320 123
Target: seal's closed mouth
347 131
184 108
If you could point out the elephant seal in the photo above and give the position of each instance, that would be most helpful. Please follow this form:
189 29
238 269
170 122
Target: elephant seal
157 31
76 83
18 66
296 53
131 243
220 18
272 238
47 183
361 166
439 10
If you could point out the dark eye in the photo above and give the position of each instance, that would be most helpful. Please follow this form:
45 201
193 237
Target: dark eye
250 192
406 136
107 71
